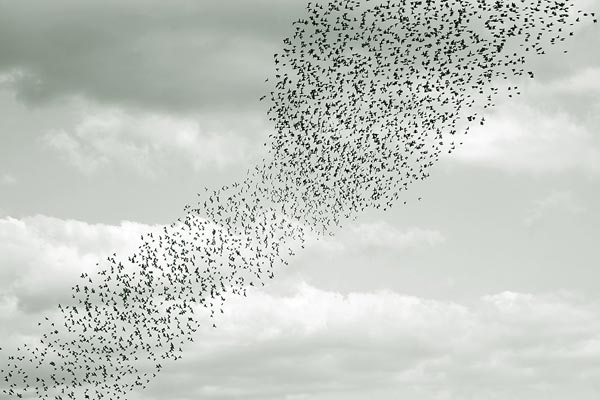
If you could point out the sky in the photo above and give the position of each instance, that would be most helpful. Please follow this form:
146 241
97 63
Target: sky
114 114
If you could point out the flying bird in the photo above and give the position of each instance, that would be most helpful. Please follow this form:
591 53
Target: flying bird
366 97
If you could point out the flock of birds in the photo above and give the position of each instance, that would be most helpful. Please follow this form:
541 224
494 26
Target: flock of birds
366 96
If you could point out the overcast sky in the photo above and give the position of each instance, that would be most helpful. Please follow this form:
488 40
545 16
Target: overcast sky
113 114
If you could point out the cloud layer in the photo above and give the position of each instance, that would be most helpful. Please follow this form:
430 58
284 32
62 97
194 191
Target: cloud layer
522 138
361 237
42 256
146 142
323 345
306 342
179 55
7 179
155 76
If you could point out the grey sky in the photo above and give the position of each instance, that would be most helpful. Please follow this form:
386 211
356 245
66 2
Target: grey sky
145 53
485 289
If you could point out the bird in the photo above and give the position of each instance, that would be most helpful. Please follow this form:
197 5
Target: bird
365 98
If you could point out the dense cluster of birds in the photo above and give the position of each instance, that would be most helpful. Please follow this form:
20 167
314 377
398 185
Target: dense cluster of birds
366 96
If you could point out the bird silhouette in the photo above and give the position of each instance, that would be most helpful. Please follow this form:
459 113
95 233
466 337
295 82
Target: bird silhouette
365 98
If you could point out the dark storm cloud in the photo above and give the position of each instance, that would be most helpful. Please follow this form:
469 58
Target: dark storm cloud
176 55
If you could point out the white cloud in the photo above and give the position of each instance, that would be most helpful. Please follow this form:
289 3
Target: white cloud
9 77
41 256
378 235
553 127
585 80
146 142
75 152
7 179
519 137
320 344
561 201
324 345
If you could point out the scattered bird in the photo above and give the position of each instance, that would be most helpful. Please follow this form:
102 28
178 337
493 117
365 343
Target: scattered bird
366 97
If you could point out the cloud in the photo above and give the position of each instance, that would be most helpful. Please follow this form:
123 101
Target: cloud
42 256
146 142
10 78
320 344
562 201
553 127
518 137
585 80
377 235
7 179
308 342
76 153
181 55
187 57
